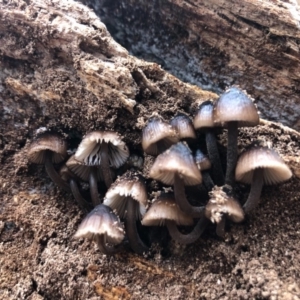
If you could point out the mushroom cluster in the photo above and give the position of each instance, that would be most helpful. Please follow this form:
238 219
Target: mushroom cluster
199 191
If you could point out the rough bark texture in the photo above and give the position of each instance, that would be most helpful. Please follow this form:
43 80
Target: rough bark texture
60 69
217 43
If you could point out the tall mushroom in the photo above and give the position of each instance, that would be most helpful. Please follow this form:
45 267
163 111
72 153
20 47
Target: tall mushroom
258 166
48 149
204 121
164 210
102 226
128 197
234 109
177 167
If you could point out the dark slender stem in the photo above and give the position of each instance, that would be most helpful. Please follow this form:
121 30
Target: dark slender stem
190 237
84 205
105 165
182 202
207 181
256 187
214 156
104 248
231 152
94 186
220 230
135 241
53 174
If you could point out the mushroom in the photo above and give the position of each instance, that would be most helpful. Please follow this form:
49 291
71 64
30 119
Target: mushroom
234 109
102 226
128 196
49 148
204 164
164 210
221 206
177 167
158 136
204 121
102 149
184 127
257 166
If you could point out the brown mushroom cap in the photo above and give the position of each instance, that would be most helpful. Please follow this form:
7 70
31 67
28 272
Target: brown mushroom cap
165 208
221 203
158 136
275 170
47 141
176 160
202 161
128 185
204 116
235 105
184 126
90 148
101 221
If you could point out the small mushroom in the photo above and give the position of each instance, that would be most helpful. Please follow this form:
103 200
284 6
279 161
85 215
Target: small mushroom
164 210
234 109
204 121
49 148
184 127
258 166
177 167
158 136
102 226
221 206
128 196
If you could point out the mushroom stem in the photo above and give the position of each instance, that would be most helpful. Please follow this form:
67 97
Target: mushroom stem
94 186
190 237
213 154
231 152
84 205
181 200
256 187
105 165
207 181
220 230
104 248
52 172
135 241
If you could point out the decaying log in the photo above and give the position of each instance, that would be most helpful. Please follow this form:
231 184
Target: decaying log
60 69
217 43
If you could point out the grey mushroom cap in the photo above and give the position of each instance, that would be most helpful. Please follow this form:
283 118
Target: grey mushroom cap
158 136
202 161
222 203
45 142
257 157
89 150
176 160
101 221
132 185
164 208
234 105
204 116
184 126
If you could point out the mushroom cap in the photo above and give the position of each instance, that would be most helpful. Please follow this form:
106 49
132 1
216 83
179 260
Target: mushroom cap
222 203
275 170
81 170
235 105
47 141
89 150
176 160
101 221
158 136
164 208
130 185
204 116
202 160
184 126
